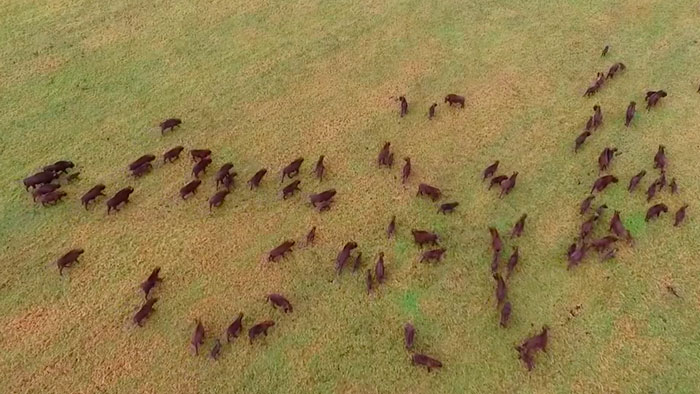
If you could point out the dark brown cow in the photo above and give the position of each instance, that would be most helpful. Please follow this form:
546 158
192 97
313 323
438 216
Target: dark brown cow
661 181
343 256
497 180
505 314
635 181
292 169
406 171
290 189
141 161
322 197
651 191
519 227
190 188
229 180
379 268
680 216
68 259
581 139
455 99
255 180
432 255
59 166
586 204
587 227
426 361
404 106
605 50
409 333
496 243
424 237
391 228
280 250
447 207
604 243
508 184
217 199
198 336
169 124
430 191
319 168
51 198
44 189
605 158
39 178
201 167
589 124
311 236
660 158
629 115
144 312
277 300
614 69
490 170
601 183
385 158
501 289
512 261
653 98
495 261
617 228
200 154
172 154
223 173
575 254
142 170
597 117
358 262
151 282
531 345
216 350
260 328
235 328
431 111
92 194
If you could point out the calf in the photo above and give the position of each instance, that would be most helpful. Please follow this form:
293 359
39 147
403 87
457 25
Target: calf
501 289
142 170
51 198
290 189
201 167
581 139
60 166
660 158
432 255
92 194
279 251
200 154
224 172
447 207
379 268
406 171
614 69
424 237
385 158
198 336
496 243
172 154
409 333
431 111
343 256
44 189
292 169
428 362
605 50
151 282
217 199
508 184
68 259
319 168
358 262
497 180
404 106
430 191
214 354
391 228
73 177
141 161
586 204
519 227
235 328
505 314
605 158
278 300
39 178
455 99
490 170
190 188
255 180
321 197
512 262
144 312
661 181
617 228
680 216
635 181
121 197
629 115
169 124
601 183
260 328
311 236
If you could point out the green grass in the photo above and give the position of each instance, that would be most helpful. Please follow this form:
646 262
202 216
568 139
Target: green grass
262 83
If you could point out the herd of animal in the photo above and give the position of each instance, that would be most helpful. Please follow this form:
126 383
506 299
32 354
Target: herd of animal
46 187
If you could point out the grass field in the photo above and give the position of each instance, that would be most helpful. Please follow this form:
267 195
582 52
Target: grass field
262 83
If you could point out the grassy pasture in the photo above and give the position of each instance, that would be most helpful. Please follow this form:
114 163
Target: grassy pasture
261 83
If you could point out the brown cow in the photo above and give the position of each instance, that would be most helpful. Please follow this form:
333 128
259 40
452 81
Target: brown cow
424 237
255 180
490 170
151 282
447 207
198 336
653 98
172 154
385 158
290 189
501 288
428 362
141 161
235 328
358 262
674 186
200 154
169 124
531 345
432 255
217 199
617 228
680 216
614 69
68 259
597 117
92 194
635 180
605 158
404 106
576 253
497 180
605 51
321 197
601 183
201 167
629 115
260 328
505 314
311 236
409 333
280 250
391 228
44 189
39 178
519 227
277 300
379 268
431 111
406 171
495 261
508 184
319 168
292 169
604 243
142 170
216 350
455 99
144 312
512 262
586 204
223 173
343 256
52 198
651 191
589 124
496 243
581 139
59 166
430 191
190 188
660 158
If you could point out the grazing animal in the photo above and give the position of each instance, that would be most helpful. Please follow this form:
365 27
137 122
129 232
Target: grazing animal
519 227
379 268
490 170
660 158
311 236
368 281
426 361
512 262
432 255
214 354
586 204
629 115
604 243
496 243
141 161
680 216
433 192
605 158
601 183
121 197
385 158
343 256
223 173
190 188
587 227
589 124
605 51
172 154
635 180
409 333
322 197
431 111
280 250
447 207
277 300
73 177
674 186
391 228
614 69
661 181
92 194
406 171
142 170
319 168
169 124
260 328
44 189
290 189
292 169
505 314
39 178
581 139
144 312
404 106
200 154
255 180
201 167
229 180
501 288
455 99
198 336
358 262
217 199
151 282
618 228
424 237
68 259
59 166
651 191
508 184
576 253
653 98
597 117
497 180
235 328
531 345
495 261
